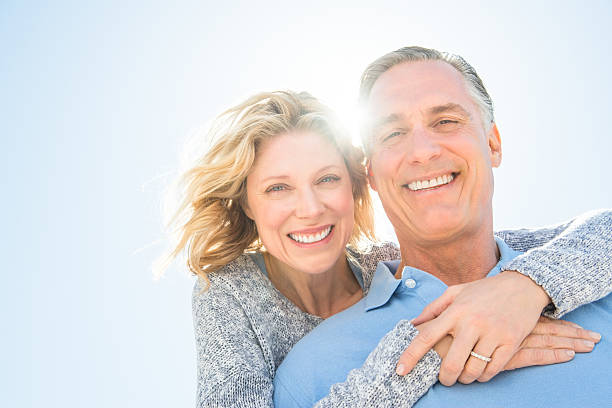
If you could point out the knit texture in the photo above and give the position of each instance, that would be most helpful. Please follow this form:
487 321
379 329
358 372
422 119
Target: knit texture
375 384
244 327
571 261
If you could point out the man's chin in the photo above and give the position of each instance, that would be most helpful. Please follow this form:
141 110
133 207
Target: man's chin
437 227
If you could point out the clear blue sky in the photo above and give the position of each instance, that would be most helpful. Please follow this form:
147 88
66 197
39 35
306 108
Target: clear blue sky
98 98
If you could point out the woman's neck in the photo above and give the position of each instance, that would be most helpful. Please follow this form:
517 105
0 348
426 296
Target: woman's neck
322 294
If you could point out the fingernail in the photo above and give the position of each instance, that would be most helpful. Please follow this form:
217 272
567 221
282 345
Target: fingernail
594 335
400 369
570 353
575 325
588 343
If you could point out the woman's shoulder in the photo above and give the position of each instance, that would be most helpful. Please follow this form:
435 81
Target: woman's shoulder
240 301
374 252
229 344
228 298
232 283
369 257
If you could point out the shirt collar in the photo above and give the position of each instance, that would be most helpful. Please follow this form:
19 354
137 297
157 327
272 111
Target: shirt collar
506 254
384 284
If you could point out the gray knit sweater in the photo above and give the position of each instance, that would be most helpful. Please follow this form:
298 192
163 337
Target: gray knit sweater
244 327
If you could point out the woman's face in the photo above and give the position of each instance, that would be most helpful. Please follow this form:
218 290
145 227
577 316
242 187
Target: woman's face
299 194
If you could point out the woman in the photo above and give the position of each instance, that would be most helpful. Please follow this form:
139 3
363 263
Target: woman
267 215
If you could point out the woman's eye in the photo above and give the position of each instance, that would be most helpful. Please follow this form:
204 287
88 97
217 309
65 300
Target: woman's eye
329 179
276 188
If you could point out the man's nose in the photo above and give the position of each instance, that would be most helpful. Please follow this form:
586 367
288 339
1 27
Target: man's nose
423 147
309 204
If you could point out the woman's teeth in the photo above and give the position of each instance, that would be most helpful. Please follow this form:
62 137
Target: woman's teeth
310 238
434 182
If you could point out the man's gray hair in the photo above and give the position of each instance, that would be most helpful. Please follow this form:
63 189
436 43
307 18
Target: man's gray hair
410 54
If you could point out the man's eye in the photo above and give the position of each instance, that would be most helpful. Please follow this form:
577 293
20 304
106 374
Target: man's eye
391 135
446 122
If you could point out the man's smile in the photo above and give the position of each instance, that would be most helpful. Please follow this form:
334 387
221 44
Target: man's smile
432 182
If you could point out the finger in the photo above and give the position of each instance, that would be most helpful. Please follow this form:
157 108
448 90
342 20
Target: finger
564 330
474 367
500 359
544 319
458 353
429 334
546 341
435 308
530 357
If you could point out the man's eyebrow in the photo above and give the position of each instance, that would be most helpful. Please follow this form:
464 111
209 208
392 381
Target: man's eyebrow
449 107
385 120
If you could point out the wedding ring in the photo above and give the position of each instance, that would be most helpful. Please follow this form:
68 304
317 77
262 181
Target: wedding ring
478 356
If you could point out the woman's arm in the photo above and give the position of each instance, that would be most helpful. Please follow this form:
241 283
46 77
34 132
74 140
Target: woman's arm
232 371
572 261
376 384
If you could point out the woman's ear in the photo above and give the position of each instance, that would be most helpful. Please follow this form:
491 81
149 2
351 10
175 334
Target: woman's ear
370 175
245 207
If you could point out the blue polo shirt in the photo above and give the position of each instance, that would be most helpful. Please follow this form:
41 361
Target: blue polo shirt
341 343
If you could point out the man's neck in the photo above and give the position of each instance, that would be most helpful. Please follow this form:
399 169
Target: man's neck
456 262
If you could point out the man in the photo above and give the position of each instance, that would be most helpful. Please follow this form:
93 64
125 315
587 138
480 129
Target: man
431 146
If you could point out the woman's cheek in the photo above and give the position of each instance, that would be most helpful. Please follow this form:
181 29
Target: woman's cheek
277 212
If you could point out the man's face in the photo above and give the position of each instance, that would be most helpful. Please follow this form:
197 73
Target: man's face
431 156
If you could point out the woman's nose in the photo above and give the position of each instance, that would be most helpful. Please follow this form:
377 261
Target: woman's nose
309 204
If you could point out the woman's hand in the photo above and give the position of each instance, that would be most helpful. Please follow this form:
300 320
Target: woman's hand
550 342
491 317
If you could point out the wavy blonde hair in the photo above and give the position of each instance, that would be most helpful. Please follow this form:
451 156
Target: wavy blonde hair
210 221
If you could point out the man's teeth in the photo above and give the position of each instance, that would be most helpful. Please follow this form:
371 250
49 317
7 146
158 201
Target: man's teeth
310 238
434 182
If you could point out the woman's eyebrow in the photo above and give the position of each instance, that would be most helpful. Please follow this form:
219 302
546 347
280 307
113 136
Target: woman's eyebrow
279 177
329 167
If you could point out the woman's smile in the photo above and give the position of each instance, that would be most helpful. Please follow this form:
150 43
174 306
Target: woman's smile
312 236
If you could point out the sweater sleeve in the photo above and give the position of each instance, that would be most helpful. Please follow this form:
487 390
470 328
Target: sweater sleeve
232 370
570 261
375 383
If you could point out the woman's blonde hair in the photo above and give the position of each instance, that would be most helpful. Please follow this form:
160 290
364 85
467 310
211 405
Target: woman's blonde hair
210 221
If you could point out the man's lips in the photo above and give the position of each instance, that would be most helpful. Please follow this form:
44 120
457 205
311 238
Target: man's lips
431 182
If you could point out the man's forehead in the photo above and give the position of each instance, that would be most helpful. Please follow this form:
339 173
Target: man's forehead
419 85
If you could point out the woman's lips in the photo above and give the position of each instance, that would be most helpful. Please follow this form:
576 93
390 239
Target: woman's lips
311 236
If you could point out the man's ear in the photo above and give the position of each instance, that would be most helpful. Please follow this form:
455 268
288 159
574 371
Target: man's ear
495 149
370 175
